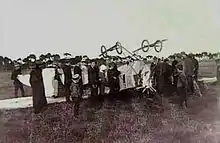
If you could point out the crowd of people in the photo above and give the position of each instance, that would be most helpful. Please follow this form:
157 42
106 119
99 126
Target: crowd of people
88 78
85 76
179 72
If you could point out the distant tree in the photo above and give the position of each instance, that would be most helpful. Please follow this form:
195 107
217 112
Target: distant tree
48 56
215 55
218 54
26 62
210 56
32 57
78 58
171 56
67 54
204 54
42 58
49 62
18 61
149 57
1 63
8 64
56 57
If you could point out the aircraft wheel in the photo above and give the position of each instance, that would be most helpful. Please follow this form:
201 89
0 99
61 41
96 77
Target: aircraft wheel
104 51
158 49
118 48
145 45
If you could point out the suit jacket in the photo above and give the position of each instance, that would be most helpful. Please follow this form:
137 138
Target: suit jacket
67 75
93 75
182 81
188 66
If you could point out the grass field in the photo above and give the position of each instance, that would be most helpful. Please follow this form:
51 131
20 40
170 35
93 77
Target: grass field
7 87
128 120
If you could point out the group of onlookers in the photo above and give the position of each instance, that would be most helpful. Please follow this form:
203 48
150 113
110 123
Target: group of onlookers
179 72
88 78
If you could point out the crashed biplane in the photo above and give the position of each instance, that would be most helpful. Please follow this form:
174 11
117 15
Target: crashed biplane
145 46
119 49
135 73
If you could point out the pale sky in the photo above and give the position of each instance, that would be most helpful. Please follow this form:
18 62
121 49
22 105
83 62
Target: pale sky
82 26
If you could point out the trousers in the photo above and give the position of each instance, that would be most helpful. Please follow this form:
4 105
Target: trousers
18 85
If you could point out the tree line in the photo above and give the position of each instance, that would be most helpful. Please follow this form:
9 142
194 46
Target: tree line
7 64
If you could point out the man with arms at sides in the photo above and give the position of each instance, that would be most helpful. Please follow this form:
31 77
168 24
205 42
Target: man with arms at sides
17 84
174 73
38 89
93 78
78 70
67 79
113 79
152 70
188 69
196 67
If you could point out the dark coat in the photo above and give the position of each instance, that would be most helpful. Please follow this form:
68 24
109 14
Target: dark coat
188 66
38 90
14 75
160 78
174 68
102 77
182 81
195 65
67 75
93 75
77 70
57 76
152 69
113 80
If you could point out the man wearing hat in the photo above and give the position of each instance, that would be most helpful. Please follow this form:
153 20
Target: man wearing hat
17 84
93 73
67 79
188 69
78 70
102 78
196 67
38 89
174 72
152 69
113 78
75 87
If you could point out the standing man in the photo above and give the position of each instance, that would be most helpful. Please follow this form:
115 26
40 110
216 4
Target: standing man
57 82
188 69
93 78
182 86
38 89
67 79
174 73
160 77
152 70
102 79
17 84
113 79
196 67
78 70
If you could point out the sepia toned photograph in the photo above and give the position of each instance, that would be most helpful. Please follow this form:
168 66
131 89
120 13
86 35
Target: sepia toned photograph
109 71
